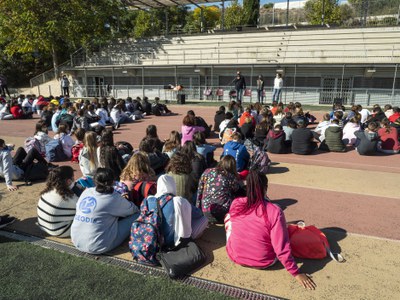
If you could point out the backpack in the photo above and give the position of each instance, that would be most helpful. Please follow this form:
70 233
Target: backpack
146 237
30 143
54 151
227 135
76 149
142 190
82 184
260 161
67 119
310 242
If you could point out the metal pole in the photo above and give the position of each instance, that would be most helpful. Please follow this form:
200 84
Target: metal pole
86 82
398 16
113 82
273 15
143 82
294 81
176 75
394 81
166 21
223 15
287 14
341 84
323 13
201 19
251 82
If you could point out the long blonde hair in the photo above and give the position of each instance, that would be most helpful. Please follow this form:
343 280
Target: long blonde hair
138 167
90 142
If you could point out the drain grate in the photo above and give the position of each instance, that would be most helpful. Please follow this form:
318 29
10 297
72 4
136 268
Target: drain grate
200 283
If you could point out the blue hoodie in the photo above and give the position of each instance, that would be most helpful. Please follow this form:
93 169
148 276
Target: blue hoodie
239 152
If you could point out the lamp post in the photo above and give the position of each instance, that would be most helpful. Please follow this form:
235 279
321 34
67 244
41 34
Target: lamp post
323 13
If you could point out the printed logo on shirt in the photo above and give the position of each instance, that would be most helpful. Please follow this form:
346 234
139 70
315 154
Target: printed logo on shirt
88 205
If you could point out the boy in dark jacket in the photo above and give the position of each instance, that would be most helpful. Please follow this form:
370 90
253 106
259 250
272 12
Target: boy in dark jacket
333 138
275 141
302 139
367 140
219 117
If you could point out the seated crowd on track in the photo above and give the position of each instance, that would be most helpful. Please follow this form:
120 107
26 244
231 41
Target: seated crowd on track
180 175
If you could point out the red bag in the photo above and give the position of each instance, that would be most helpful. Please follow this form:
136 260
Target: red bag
142 190
76 149
310 242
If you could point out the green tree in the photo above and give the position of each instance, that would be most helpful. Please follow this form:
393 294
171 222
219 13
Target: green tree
375 7
146 24
211 17
346 13
54 27
268 6
234 15
252 11
313 10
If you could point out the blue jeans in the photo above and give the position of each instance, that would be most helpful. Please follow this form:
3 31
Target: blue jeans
124 230
239 95
260 97
276 94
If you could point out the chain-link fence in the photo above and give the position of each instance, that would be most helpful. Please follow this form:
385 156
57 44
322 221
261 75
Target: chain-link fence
352 13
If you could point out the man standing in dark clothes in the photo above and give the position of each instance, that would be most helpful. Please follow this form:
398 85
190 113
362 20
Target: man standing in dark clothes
302 139
240 85
3 86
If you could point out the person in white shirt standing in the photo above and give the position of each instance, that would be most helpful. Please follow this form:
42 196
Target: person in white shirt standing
278 84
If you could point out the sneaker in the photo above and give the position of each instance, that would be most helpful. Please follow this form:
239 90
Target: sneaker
5 221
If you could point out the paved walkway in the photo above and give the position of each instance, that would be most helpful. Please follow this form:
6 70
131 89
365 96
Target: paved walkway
355 199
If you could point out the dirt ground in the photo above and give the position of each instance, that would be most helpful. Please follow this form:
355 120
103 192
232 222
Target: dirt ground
354 199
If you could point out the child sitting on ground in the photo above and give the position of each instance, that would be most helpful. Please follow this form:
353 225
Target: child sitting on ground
256 231
275 141
333 138
56 207
367 140
389 138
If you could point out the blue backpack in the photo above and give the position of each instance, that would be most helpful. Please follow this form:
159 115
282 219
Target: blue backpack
54 151
146 237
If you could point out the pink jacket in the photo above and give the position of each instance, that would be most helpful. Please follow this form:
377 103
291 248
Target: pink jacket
188 132
256 240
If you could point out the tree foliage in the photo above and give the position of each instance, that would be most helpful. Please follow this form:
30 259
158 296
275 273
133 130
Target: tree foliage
30 26
313 9
234 15
252 11
375 7
211 17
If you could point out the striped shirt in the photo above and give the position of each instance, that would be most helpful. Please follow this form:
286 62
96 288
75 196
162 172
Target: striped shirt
55 215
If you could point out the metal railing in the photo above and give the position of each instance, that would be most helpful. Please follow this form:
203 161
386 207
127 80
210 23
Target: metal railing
305 95
48 75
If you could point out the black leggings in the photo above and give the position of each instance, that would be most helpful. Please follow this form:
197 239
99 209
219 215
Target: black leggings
24 160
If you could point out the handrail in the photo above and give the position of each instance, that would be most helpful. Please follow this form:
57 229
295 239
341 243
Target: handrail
305 95
47 75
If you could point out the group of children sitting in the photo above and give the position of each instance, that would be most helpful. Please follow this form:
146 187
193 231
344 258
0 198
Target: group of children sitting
283 129
97 210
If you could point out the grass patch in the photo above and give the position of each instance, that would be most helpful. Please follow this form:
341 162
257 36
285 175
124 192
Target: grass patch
32 272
